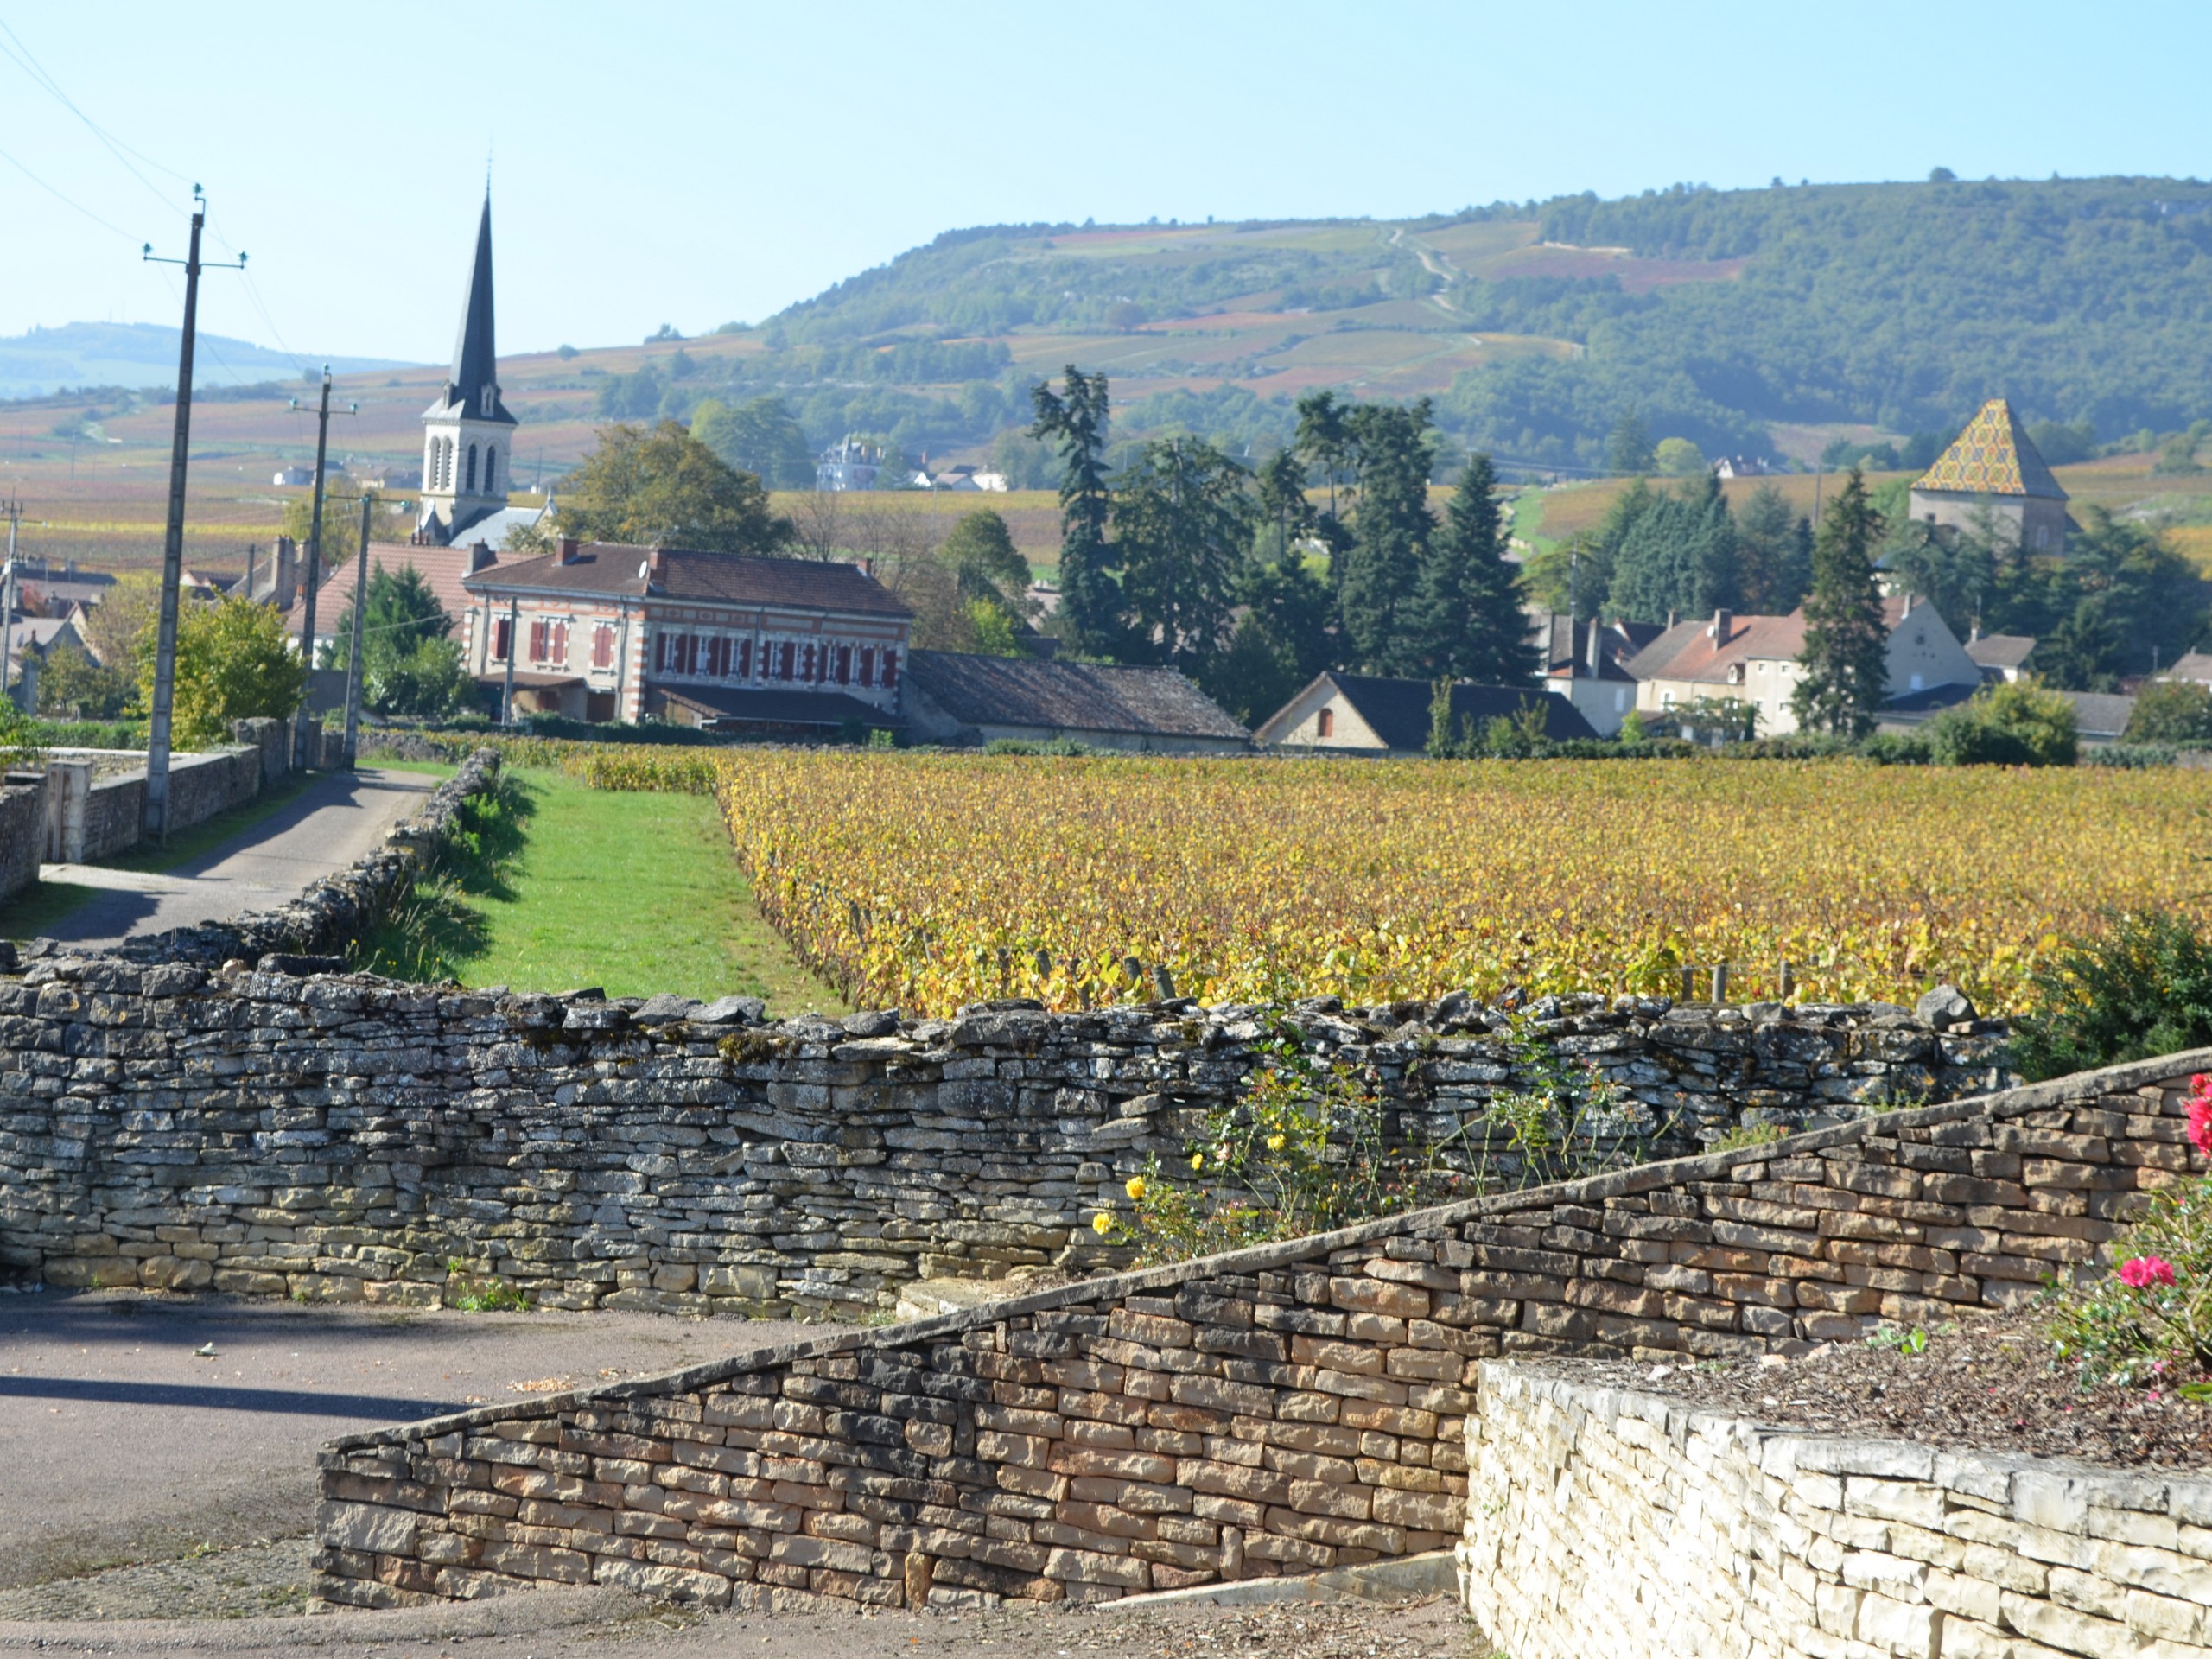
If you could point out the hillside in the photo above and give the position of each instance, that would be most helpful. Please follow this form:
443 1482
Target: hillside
139 355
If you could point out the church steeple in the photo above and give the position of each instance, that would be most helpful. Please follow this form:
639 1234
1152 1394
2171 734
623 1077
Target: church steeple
467 433
475 381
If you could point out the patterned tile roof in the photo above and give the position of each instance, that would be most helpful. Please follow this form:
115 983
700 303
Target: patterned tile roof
1992 456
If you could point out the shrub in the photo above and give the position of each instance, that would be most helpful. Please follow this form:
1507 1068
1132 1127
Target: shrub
2152 1320
2016 724
2142 987
2130 757
2178 712
1898 749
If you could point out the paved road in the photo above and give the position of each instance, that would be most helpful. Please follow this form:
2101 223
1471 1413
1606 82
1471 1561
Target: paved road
119 1442
334 820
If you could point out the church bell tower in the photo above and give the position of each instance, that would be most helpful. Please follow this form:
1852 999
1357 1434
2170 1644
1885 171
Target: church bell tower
468 443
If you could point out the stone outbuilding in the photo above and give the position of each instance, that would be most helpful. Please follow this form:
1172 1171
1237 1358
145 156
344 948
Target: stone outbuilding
1366 714
958 697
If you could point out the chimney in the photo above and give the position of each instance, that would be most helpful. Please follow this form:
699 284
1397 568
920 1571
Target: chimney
1671 620
568 550
1908 602
657 564
286 585
480 555
1974 634
1721 621
1597 648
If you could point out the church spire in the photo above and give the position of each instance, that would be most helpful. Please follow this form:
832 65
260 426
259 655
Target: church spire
475 363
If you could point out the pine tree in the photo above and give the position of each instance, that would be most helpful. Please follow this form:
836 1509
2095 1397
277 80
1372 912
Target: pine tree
1846 642
1377 574
1678 558
1766 537
1182 527
1089 613
1466 620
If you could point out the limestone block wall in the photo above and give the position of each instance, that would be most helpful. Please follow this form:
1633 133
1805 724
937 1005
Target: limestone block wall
1601 1520
165 1123
1295 1407
22 835
200 785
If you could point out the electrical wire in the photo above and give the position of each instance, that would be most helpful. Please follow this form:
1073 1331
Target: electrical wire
27 62
67 200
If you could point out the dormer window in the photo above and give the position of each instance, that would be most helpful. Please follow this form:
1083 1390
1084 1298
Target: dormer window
491 393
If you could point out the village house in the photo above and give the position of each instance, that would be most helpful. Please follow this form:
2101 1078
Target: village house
1993 470
2002 656
600 631
1585 661
958 697
1754 660
1367 714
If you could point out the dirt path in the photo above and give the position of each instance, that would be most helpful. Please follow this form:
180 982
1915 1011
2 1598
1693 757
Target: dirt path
337 818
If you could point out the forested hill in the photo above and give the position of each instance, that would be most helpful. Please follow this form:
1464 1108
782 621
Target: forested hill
1536 326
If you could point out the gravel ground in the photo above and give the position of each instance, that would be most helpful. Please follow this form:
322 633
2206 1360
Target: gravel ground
570 1625
1988 1381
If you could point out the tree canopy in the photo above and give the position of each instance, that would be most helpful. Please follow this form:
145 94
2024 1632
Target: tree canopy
664 487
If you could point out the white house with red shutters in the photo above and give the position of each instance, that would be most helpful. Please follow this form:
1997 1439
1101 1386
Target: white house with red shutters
601 632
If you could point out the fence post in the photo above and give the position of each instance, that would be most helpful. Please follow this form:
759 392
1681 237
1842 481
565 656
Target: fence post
1720 983
1689 984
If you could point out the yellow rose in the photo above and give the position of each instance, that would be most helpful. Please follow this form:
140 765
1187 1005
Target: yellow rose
1101 1223
1134 1186
1198 1161
1275 1143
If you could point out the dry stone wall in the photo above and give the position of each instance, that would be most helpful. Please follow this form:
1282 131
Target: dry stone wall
166 1122
1608 1521
1297 1407
22 833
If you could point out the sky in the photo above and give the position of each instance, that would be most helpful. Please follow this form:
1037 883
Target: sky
695 164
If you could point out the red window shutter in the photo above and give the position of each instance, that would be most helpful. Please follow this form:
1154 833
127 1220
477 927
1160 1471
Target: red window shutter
602 646
502 639
537 642
561 643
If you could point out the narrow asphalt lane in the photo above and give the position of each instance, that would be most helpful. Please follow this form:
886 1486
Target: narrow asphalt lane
336 819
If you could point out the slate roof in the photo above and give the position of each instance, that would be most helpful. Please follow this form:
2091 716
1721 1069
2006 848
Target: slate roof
2100 714
692 575
1397 710
2000 650
1067 697
1992 456
475 359
2192 665
1565 640
776 708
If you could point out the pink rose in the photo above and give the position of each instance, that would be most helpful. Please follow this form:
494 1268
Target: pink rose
2200 1123
2141 1272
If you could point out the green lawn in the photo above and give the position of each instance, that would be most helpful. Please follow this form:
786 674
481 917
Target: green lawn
635 894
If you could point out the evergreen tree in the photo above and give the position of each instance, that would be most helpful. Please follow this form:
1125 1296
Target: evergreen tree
1846 642
1279 501
1182 524
1677 559
1466 620
1577 574
1628 446
1325 440
1089 617
1377 574
1774 551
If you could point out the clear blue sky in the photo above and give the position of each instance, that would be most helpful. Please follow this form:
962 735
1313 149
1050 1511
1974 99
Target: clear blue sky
693 163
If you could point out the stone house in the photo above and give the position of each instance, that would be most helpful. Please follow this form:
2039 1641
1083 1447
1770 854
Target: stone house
1993 468
1367 714
956 698
1754 659
1585 662
2007 657
601 632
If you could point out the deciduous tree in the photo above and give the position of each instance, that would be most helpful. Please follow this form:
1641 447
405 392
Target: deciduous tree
664 487
233 661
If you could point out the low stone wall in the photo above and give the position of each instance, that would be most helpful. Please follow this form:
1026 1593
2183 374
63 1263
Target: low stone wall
22 835
1606 1521
1297 1407
332 1137
200 785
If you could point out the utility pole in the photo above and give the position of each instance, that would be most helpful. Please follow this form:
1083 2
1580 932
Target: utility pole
300 758
14 508
353 660
155 824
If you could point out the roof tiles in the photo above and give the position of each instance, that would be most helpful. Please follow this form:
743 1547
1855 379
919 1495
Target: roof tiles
1993 456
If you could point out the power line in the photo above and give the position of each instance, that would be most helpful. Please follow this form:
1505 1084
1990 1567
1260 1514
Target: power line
28 63
66 200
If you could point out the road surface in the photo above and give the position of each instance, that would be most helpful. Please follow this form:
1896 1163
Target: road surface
336 819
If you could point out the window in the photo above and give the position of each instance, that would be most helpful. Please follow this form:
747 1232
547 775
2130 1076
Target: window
890 669
660 652
1620 699
806 663
492 470
491 400
1325 723
539 634
844 664
1916 683
745 659
602 645
868 664
503 640
471 469
784 659
560 653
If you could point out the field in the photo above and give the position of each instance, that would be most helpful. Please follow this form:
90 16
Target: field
928 881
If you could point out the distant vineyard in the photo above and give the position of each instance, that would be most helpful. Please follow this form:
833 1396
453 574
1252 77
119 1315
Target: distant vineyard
927 882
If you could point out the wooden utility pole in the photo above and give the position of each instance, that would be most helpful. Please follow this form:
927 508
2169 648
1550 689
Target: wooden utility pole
155 824
353 660
14 508
300 758
514 647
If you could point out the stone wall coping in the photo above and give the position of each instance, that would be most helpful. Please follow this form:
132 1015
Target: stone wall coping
1781 1451
1714 1166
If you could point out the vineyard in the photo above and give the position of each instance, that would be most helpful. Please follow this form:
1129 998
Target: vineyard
924 881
